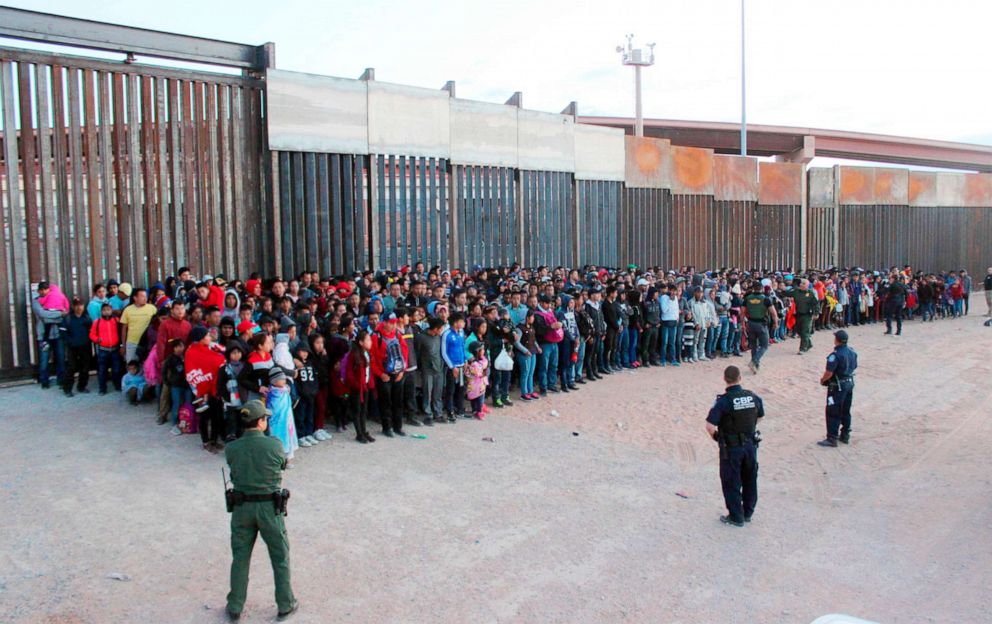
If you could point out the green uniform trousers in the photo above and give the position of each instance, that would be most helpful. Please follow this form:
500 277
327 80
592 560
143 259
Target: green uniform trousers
248 520
804 327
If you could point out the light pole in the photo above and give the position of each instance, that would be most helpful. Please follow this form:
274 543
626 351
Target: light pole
638 57
743 90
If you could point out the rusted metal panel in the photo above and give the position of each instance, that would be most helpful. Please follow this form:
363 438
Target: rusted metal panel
735 178
647 162
28 148
780 184
692 169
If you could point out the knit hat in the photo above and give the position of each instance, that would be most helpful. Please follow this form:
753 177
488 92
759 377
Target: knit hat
286 323
198 333
126 289
276 373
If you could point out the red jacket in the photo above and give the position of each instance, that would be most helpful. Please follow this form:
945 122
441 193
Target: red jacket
378 351
354 377
106 333
168 329
215 298
202 368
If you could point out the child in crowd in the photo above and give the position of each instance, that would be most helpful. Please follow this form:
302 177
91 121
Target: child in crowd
232 392
477 378
356 371
105 336
133 384
281 424
174 376
321 362
307 387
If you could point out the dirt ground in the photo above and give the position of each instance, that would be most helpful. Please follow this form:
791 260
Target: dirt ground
541 525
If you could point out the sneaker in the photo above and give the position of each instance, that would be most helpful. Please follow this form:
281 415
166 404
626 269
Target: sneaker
752 368
304 443
83 390
175 430
535 396
102 392
428 422
68 393
731 521
387 433
828 442
322 435
401 433
507 402
480 415
526 397
312 440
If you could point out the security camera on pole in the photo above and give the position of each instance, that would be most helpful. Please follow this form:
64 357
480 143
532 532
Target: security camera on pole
638 57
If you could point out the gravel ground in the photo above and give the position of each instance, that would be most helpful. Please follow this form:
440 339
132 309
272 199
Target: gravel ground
617 523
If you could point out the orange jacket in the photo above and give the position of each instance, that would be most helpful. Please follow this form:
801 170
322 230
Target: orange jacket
106 333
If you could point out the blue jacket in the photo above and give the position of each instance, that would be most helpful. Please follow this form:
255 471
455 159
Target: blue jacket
453 348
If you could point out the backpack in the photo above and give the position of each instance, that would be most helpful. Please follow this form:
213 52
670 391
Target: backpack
394 355
187 418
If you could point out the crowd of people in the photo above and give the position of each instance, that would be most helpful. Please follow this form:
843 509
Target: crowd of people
418 347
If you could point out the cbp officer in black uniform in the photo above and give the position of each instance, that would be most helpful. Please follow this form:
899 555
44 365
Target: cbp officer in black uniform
895 301
731 422
839 380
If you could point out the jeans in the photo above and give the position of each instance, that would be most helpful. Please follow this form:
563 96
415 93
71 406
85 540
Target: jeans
108 359
669 336
78 364
45 350
959 307
757 340
699 347
723 333
712 333
854 312
501 384
303 415
620 354
180 396
526 365
547 366
577 367
678 346
649 345
433 393
454 391
565 370
390 403
633 337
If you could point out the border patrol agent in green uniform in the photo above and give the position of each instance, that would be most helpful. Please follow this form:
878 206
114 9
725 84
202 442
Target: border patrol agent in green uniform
759 310
258 506
806 306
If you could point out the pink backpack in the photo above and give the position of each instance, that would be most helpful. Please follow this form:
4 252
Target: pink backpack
187 418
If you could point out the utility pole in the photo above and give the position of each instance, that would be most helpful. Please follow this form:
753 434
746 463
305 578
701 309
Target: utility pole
638 58
743 90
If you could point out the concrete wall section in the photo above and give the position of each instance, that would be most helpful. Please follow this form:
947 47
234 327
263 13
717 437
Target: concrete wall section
922 188
821 187
545 141
891 187
599 153
648 162
692 169
978 189
780 184
735 178
483 133
857 186
409 120
310 113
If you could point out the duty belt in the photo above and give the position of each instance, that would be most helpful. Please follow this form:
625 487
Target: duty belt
738 439
255 498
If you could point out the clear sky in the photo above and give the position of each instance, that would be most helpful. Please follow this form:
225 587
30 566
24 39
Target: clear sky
907 67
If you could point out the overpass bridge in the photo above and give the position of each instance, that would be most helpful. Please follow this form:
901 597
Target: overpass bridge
799 144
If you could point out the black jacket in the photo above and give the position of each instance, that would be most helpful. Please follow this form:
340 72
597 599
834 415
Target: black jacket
76 330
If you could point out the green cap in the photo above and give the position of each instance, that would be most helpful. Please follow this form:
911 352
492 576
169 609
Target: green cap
631 267
253 410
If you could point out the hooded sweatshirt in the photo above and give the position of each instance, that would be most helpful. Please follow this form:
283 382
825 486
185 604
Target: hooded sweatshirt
231 312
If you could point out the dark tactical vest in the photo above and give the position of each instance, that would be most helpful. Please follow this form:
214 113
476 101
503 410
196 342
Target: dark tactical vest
755 306
737 426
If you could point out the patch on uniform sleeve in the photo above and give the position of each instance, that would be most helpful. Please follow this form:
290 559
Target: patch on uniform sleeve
830 400
831 358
